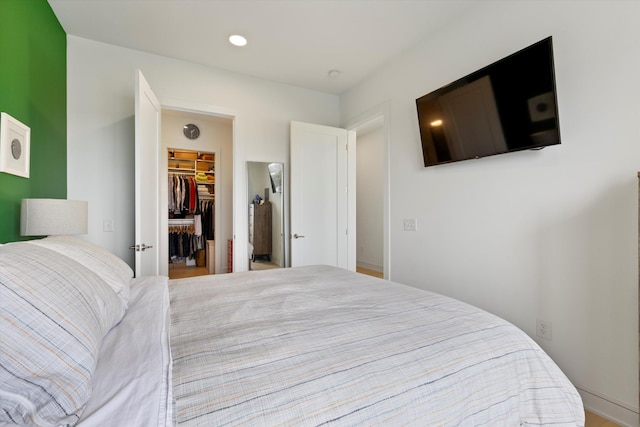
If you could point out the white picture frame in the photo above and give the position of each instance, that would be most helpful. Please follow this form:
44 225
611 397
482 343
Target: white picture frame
15 144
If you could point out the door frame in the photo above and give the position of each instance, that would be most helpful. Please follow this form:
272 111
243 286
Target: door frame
382 110
202 109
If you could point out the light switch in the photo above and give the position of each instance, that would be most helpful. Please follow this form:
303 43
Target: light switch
410 224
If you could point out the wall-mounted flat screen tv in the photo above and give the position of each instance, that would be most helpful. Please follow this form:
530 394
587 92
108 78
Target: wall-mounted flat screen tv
507 106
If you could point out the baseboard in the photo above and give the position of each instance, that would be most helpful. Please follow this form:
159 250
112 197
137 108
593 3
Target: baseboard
609 408
368 266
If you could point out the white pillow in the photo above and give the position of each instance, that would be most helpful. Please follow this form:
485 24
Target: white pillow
109 267
54 314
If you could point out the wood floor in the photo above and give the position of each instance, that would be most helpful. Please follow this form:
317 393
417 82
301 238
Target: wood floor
369 272
591 419
260 264
180 271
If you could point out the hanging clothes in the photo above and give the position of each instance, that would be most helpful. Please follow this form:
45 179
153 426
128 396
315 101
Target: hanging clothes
185 200
182 194
207 207
184 242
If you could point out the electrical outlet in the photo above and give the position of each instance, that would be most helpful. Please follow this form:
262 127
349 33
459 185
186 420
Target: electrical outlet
543 329
410 224
107 225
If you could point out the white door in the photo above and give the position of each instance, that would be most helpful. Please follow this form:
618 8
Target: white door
322 196
147 163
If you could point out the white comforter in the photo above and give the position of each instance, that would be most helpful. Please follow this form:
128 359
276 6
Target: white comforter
325 346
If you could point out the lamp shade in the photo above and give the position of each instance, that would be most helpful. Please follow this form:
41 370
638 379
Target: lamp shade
50 217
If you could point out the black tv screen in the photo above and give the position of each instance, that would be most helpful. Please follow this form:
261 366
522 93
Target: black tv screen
507 106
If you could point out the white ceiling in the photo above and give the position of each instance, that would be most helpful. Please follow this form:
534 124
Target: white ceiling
295 42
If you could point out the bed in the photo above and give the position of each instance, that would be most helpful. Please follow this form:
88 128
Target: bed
84 343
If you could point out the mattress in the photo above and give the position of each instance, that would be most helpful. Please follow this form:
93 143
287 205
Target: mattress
84 343
321 345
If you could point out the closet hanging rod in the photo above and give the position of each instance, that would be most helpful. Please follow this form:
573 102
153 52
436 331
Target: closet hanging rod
180 221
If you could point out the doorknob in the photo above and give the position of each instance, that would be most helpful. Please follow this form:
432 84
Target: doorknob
140 248
297 236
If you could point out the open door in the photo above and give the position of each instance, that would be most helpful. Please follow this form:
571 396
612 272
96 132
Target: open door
322 196
147 164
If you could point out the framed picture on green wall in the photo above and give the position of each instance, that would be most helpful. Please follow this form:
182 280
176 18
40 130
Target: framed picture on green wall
14 146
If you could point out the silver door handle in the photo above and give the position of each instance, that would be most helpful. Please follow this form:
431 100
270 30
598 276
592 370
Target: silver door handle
140 248
297 236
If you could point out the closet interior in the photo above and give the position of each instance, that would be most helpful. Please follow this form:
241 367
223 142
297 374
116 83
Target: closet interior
191 210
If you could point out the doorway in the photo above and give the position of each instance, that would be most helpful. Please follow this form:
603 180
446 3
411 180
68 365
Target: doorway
372 191
216 140
369 197
191 211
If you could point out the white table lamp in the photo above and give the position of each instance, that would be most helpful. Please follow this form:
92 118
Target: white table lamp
50 217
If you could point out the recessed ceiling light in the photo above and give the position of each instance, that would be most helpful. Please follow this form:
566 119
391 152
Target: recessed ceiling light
237 40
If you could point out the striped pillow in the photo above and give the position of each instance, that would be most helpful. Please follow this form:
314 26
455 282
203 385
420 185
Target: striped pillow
54 314
109 267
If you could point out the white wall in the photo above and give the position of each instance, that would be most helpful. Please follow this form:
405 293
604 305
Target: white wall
100 103
548 234
369 199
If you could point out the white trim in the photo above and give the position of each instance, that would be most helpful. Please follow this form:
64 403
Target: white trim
183 105
383 110
196 107
609 408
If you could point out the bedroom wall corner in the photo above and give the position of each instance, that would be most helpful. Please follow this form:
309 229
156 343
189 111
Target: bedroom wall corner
549 234
33 89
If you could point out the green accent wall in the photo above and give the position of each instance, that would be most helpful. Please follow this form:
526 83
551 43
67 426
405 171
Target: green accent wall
33 89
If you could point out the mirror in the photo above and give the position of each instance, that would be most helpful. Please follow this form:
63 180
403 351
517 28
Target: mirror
265 201
275 173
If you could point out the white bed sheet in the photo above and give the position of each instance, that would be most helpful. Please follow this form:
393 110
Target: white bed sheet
131 384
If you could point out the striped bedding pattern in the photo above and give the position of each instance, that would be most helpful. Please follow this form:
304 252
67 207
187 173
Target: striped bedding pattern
54 314
318 345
